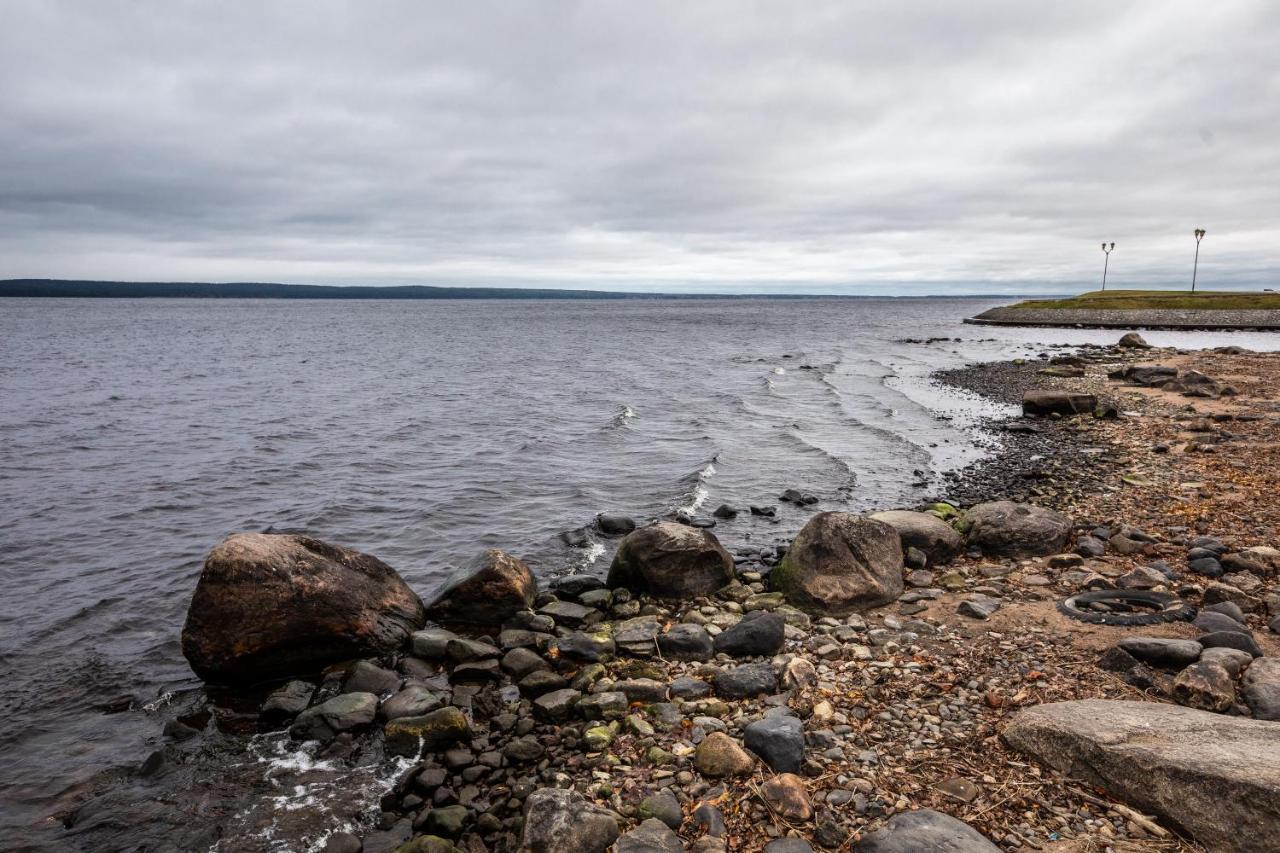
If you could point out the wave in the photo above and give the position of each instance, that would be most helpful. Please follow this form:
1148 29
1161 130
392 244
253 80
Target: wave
697 495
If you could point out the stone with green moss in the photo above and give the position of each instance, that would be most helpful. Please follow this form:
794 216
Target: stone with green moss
428 733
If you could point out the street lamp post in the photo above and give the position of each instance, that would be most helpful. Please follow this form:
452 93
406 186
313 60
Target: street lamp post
1106 250
1199 235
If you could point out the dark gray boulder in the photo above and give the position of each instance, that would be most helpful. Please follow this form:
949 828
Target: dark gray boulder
778 740
757 634
614 525
1232 640
341 713
686 641
651 836
671 560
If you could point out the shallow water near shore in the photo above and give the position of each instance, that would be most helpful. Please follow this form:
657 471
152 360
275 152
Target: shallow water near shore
134 435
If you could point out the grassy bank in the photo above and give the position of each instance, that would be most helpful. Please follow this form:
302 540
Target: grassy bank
1155 299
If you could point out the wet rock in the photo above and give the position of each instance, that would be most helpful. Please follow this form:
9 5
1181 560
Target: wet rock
671 560
519 662
746 681
724 511
341 842
787 796
273 605
1213 775
651 836
572 586
367 677
840 563
287 702
563 821
446 821
527 748
430 732
431 643
1262 688
757 634
585 648
922 530
720 755
614 525
1008 529
542 681
686 641
412 701
1065 403
462 650
341 713
487 591
1162 651
1206 685
779 741
926 831
421 844
567 613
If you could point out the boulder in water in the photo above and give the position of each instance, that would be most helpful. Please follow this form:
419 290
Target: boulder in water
274 605
490 589
1133 340
671 560
839 563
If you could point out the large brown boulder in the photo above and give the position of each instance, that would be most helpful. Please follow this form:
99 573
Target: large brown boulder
270 606
487 591
938 540
1214 776
671 560
1008 529
839 563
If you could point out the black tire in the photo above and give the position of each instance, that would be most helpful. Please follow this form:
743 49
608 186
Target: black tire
1158 607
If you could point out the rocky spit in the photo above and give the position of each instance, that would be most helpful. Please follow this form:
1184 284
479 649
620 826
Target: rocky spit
923 679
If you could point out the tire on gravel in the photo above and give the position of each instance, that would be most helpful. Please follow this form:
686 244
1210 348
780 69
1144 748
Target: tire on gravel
1157 607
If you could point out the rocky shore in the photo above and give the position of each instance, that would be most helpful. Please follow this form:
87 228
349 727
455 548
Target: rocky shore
1072 649
1143 318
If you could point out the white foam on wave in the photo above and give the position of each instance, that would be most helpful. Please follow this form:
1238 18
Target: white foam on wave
594 552
700 493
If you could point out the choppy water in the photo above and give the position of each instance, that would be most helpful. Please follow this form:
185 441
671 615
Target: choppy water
136 434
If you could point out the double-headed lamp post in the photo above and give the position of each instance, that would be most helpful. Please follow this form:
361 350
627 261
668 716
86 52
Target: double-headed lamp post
1106 250
1199 235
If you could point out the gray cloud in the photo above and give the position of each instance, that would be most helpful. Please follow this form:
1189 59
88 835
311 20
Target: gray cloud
713 145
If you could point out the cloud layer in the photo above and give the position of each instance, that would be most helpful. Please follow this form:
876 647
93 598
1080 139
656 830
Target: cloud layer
825 146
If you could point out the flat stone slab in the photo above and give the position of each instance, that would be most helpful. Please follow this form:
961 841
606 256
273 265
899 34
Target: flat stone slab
1216 777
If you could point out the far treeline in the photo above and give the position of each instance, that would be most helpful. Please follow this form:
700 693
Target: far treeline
46 287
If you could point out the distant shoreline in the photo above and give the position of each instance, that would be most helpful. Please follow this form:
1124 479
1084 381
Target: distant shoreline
41 288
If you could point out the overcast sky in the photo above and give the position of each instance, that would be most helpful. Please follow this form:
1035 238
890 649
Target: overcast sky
811 146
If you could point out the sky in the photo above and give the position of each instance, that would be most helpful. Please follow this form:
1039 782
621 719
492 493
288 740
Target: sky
826 147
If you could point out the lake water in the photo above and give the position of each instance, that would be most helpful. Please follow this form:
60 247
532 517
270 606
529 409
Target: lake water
134 435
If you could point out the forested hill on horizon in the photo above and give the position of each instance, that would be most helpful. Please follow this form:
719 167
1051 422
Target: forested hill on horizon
76 289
